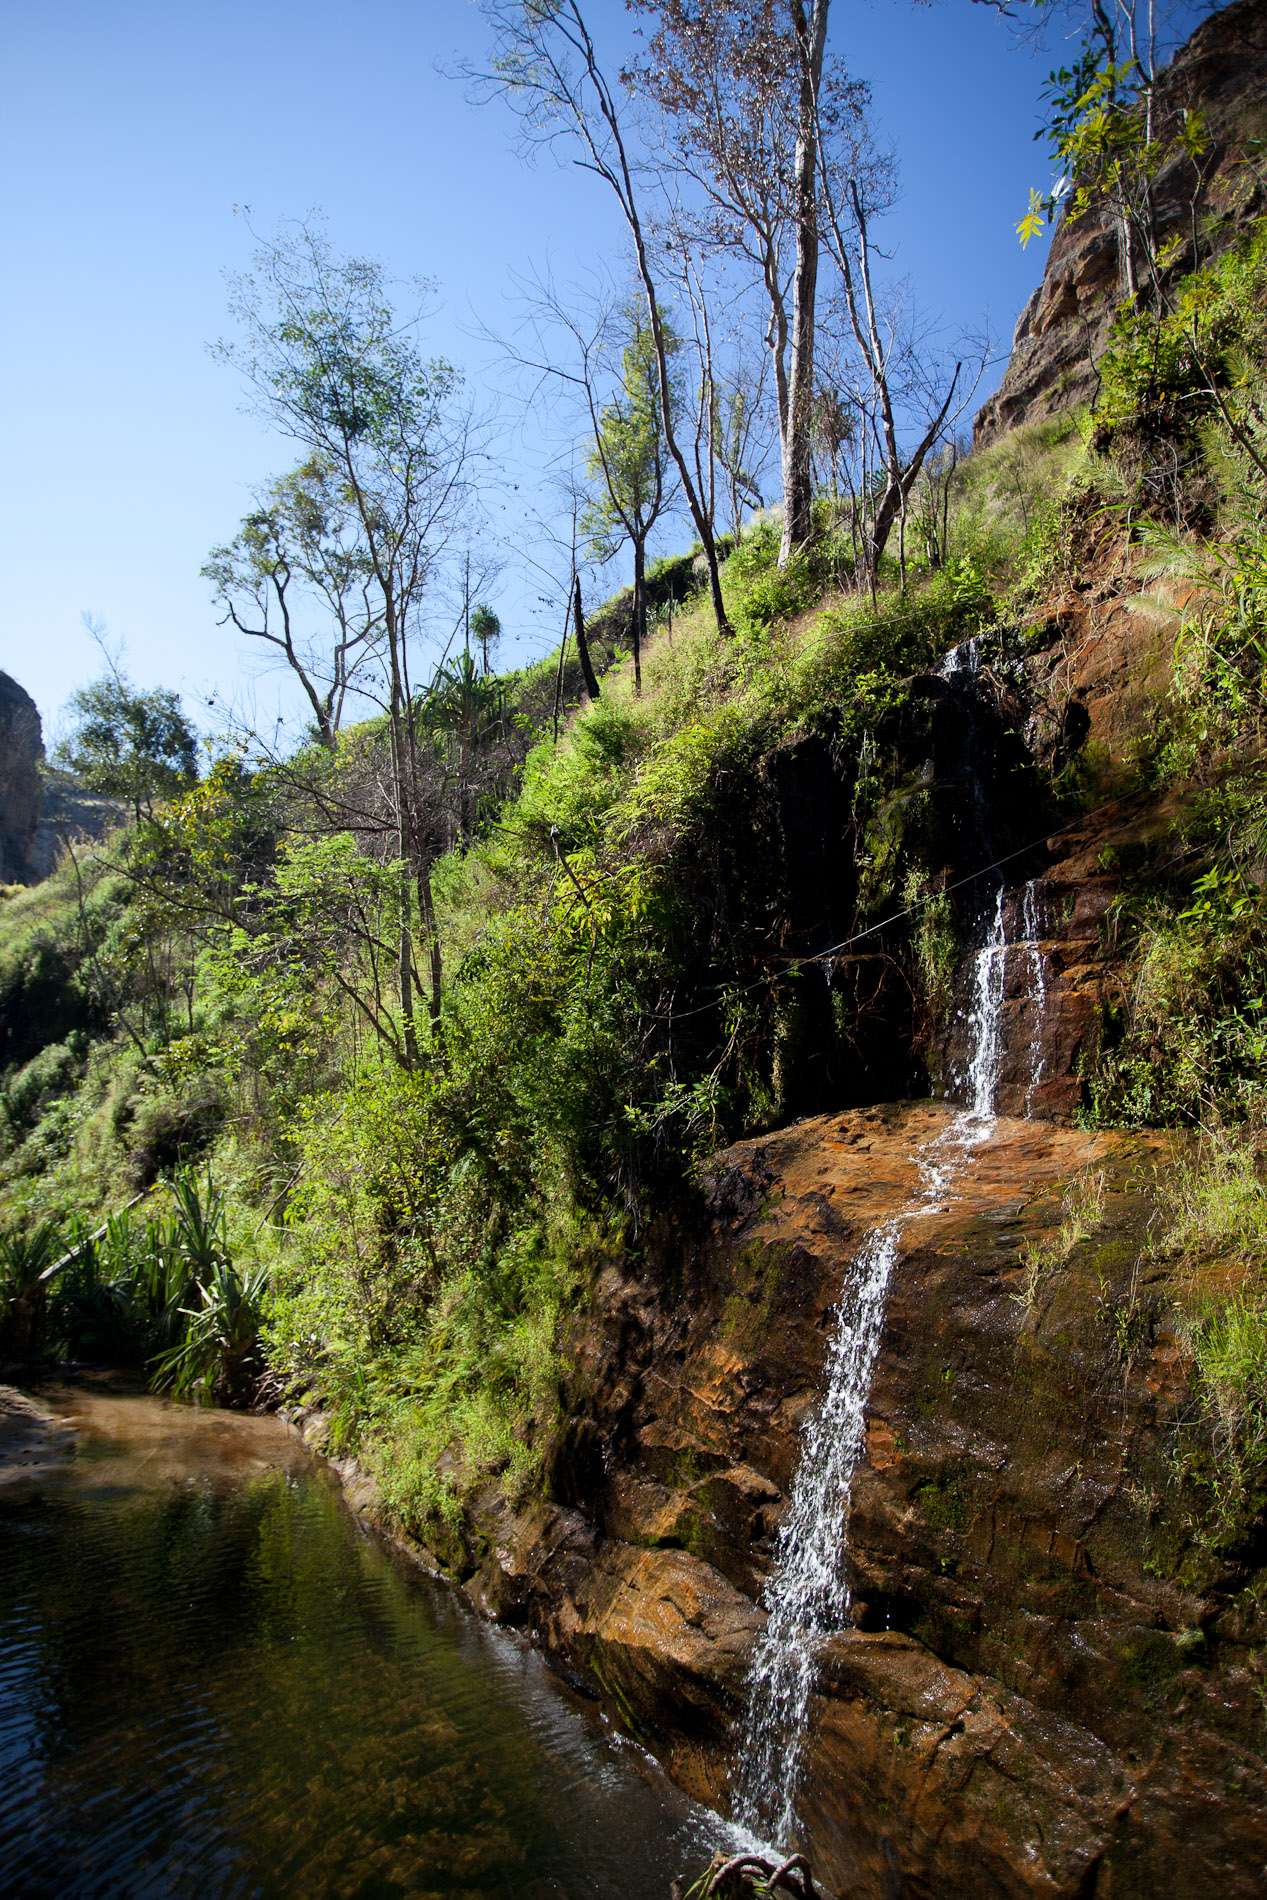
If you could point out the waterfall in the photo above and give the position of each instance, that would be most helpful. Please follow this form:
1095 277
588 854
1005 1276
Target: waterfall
985 1017
978 1080
1032 922
807 1595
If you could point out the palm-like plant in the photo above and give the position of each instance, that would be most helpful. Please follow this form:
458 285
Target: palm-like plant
462 704
24 1260
216 1346
217 1353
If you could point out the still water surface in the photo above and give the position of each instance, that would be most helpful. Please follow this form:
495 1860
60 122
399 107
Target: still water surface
213 1683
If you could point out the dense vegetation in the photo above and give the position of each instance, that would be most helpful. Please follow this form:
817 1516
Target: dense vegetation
201 1013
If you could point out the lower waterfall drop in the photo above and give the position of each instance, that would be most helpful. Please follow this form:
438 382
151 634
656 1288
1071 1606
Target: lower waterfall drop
985 1019
807 1595
1032 921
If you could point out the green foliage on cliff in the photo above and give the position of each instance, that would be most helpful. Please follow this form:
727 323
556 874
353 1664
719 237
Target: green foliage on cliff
1167 377
623 985
1182 421
615 1004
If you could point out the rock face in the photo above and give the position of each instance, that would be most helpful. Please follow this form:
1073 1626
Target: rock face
1222 71
1034 1698
21 751
33 1441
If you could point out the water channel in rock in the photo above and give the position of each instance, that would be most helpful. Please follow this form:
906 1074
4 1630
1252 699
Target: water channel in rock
807 1595
213 1682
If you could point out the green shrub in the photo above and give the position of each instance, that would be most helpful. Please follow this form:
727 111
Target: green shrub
1229 1346
757 591
1166 382
47 1075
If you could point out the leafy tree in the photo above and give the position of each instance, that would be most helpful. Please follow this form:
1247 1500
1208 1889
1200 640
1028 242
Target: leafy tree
332 363
298 547
130 744
630 458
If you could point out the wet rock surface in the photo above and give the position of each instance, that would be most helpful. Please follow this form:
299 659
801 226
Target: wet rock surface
33 1439
1029 1701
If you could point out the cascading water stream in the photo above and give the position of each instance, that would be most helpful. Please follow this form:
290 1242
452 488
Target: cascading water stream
807 1596
985 1017
1032 920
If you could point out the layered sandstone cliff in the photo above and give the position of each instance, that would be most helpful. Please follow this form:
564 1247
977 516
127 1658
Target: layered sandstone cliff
1222 72
1042 1692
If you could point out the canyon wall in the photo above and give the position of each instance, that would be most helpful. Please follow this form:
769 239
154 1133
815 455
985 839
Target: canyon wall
21 785
1044 1690
1222 71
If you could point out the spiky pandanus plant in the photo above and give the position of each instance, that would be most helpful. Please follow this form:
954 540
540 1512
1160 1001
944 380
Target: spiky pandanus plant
216 1353
24 1259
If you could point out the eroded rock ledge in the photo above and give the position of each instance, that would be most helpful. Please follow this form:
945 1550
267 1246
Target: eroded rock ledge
1033 1701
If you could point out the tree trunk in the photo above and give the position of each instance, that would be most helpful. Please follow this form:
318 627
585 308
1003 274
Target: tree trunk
893 501
405 963
582 644
466 817
402 787
639 610
427 911
798 490
558 679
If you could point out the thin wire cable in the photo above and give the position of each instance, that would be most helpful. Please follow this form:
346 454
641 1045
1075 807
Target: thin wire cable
823 956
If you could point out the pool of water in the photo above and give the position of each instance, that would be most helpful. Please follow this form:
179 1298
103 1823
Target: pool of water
213 1683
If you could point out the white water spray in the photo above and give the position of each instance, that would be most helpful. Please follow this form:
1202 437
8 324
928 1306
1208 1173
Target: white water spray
1032 923
978 1080
985 1016
807 1595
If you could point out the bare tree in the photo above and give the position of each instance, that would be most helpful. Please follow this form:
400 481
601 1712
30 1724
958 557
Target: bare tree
746 92
629 453
886 355
741 433
798 494
602 355
546 66
299 548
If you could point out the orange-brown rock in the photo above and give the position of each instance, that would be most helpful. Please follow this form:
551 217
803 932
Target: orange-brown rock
1222 73
1031 1699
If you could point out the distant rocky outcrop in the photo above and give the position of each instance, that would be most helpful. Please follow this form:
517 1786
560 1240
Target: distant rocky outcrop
70 815
21 783
1222 70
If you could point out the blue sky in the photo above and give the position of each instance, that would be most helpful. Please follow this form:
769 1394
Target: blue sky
131 130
